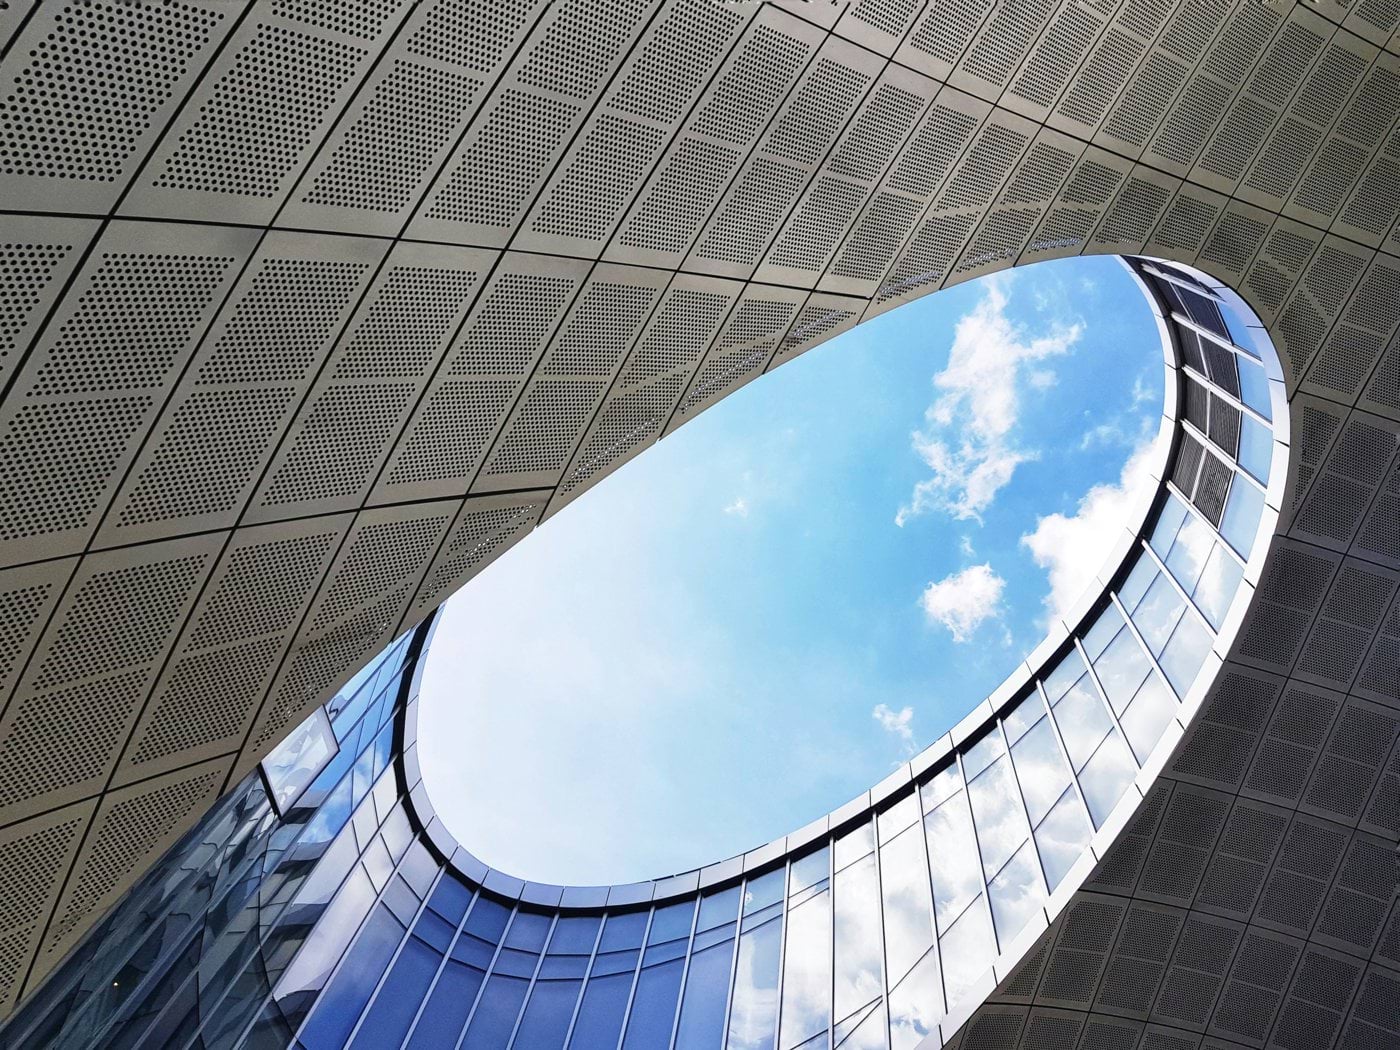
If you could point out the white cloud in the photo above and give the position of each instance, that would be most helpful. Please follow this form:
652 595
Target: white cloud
968 439
740 508
963 601
1071 548
965 545
898 723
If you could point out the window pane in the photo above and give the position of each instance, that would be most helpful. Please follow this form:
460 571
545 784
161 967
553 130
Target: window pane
864 1030
1041 769
854 844
406 986
1147 716
858 978
600 1014
1157 614
1184 654
446 1010
952 855
653 1012
898 817
496 1012
809 870
946 784
1122 667
1017 892
1069 670
982 754
1187 557
754 1015
702 1006
547 1014
1256 449
1105 777
908 907
968 949
1062 837
1135 586
340 1004
764 891
1082 720
1021 717
807 976
1216 588
1254 388
1168 521
997 814
1241 520
916 1004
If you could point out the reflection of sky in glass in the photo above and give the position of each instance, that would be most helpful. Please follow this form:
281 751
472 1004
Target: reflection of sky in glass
1122 666
916 1003
1216 588
1256 449
1241 519
1062 837
1188 554
1041 769
858 977
996 810
968 947
293 764
952 855
1157 613
1185 653
1082 720
1147 716
754 1015
904 891
1105 777
1016 893
807 980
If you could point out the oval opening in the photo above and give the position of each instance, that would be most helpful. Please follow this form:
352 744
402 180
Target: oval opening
786 598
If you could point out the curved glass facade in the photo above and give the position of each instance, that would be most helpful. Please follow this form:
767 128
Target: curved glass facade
321 904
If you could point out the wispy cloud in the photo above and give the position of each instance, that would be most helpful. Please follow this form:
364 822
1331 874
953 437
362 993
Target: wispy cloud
965 600
899 724
1126 429
739 508
1071 548
968 439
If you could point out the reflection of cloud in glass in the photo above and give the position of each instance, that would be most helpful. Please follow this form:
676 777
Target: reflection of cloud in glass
996 810
293 764
1062 837
908 918
967 948
1016 894
1105 778
1123 665
1041 769
952 856
915 1005
807 980
1147 716
1157 614
857 933
1082 720
1189 552
755 1011
1217 586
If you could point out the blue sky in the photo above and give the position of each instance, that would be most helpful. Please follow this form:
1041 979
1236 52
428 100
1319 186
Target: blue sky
757 618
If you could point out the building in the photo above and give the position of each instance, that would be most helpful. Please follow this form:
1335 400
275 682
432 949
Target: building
311 311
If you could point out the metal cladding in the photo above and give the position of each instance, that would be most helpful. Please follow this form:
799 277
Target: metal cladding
311 310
